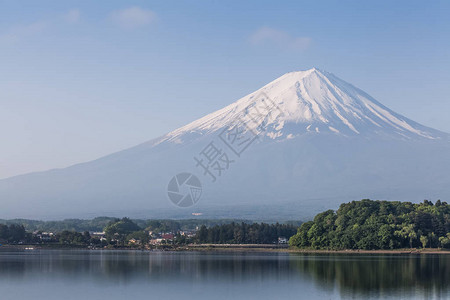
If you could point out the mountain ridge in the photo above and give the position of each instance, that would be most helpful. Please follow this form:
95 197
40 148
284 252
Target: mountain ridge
307 110
297 160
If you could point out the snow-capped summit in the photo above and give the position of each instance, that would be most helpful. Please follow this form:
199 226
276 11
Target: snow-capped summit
319 141
315 101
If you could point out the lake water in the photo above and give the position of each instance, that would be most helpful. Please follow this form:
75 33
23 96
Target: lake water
79 274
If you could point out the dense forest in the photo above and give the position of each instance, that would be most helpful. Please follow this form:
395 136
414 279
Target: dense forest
99 224
12 233
368 224
243 233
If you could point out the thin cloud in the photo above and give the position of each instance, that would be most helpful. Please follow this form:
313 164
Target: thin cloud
17 33
282 39
22 32
73 16
133 17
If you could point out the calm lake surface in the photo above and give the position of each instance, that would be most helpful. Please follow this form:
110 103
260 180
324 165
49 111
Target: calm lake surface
79 274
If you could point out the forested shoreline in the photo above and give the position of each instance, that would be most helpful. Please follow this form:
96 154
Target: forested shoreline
144 234
372 225
357 225
242 233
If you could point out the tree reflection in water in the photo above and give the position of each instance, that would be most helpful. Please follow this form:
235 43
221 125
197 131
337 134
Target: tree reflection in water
362 276
378 274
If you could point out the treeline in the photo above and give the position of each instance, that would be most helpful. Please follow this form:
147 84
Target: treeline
16 234
232 233
371 225
120 232
243 233
73 238
99 223
13 233
79 225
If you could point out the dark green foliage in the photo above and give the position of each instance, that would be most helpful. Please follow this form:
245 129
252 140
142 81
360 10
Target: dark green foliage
13 233
368 224
139 235
118 232
99 223
243 233
120 229
74 238
96 224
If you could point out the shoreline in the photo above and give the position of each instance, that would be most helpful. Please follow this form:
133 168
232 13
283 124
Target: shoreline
234 248
267 248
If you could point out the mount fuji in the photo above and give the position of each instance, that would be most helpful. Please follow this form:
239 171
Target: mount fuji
305 142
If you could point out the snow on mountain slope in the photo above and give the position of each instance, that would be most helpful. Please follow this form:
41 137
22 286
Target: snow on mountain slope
324 142
315 101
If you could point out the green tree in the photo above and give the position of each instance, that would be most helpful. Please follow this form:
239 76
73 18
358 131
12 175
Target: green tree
202 234
16 233
368 224
445 241
120 229
424 241
4 232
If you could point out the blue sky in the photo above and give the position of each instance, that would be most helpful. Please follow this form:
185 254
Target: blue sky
82 79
